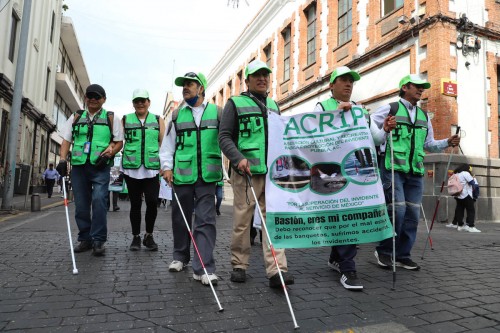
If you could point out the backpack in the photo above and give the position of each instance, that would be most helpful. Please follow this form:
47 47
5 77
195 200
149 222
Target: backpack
475 190
455 187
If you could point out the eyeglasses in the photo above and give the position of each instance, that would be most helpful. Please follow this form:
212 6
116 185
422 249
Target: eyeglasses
92 95
139 100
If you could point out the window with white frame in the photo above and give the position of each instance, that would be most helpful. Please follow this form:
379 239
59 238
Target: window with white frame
286 34
311 35
345 21
390 5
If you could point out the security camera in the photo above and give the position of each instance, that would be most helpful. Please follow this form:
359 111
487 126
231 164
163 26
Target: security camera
402 19
467 64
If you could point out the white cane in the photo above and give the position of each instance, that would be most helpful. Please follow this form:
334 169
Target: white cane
249 180
393 216
75 270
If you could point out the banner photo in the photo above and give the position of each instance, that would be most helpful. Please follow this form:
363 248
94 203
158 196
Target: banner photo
115 176
323 186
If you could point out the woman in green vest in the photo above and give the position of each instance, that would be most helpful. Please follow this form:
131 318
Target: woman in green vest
143 133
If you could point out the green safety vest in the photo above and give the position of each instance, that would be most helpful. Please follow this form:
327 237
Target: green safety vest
252 134
197 153
331 104
408 142
98 132
141 142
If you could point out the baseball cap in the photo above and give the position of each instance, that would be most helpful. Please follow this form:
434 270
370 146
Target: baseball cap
200 78
97 89
342 70
254 66
140 93
415 79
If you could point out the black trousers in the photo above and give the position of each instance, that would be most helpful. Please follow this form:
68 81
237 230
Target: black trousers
50 186
466 204
150 187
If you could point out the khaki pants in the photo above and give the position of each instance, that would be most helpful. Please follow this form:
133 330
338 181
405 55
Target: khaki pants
242 221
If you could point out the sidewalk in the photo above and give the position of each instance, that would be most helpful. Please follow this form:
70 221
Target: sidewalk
457 289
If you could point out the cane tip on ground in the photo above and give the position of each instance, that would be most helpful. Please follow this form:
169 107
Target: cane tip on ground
221 310
75 271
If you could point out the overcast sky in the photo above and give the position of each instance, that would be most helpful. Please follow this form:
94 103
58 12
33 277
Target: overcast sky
144 44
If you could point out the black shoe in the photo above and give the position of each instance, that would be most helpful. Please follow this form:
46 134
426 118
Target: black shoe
275 282
136 243
383 260
407 263
149 243
116 208
334 265
218 212
238 275
83 246
350 281
98 248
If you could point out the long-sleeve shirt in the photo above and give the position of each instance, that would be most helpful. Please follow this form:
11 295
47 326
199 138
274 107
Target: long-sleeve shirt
167 148
51 174
430 144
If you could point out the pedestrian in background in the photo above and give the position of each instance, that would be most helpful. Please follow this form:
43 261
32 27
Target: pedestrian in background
50 175
413 134
96 135
465 200
244 124
192 164
143 133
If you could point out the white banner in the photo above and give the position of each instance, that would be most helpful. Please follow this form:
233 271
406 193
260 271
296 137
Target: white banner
323 186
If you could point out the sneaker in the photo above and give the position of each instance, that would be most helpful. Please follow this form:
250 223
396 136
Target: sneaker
407 263
218 212
350 281
149 243
275 281
473 229
136 243
383 260
116 209
463 228
98 249
176 266
205 280
334 265
451 225
238 275
83 246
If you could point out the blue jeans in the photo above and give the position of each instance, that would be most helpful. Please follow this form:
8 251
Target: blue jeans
90 188
408 198
219 194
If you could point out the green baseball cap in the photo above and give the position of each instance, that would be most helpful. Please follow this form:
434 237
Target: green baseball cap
254 66
200 78
140 93
343 70
415 79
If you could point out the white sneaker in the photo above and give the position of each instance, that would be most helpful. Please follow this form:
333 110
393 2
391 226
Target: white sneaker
451 225
176 266
205 279
464 228
473 229
334 265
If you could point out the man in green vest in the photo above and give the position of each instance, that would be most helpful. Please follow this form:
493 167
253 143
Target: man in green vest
143 133
96 136
243 139
411 136
191 163
341 86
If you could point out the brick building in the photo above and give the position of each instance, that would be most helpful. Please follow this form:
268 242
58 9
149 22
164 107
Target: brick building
455 44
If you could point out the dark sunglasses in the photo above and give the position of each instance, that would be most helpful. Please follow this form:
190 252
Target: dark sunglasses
93 96
193 75
139 100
